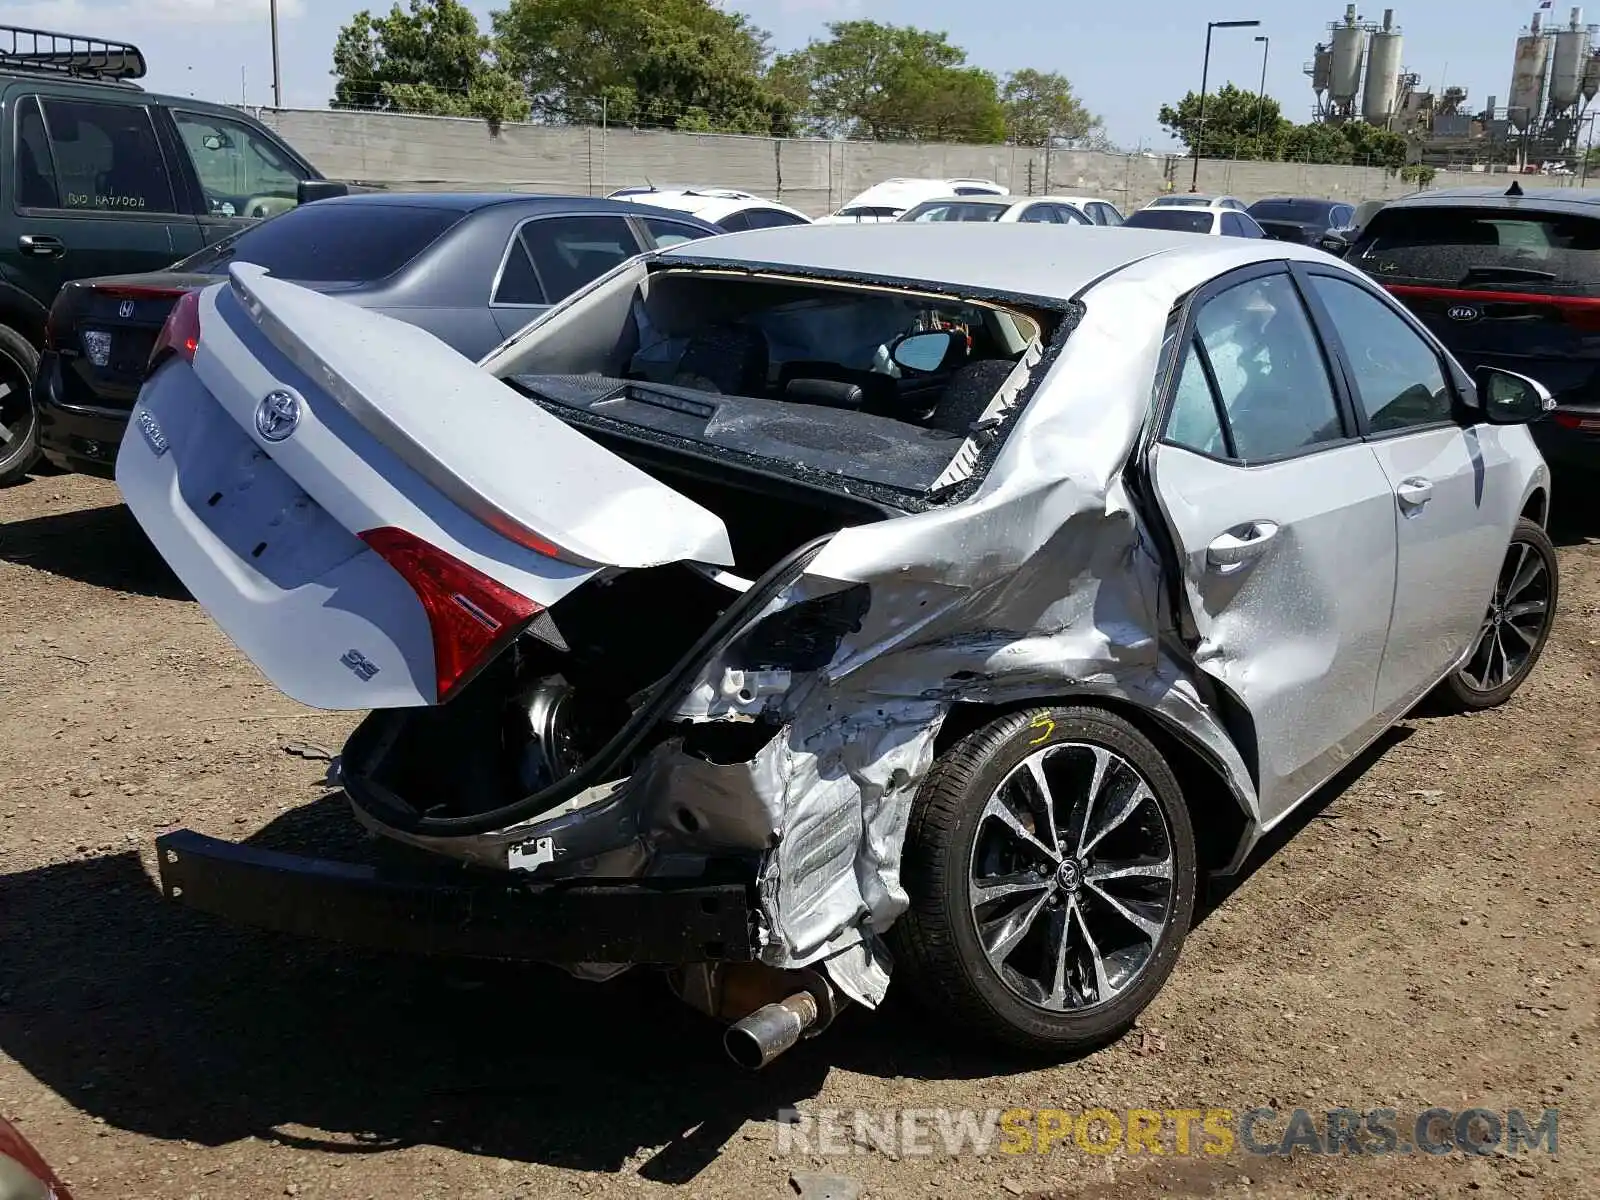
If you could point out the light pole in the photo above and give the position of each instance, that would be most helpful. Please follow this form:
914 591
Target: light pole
1205 71
277 78
1261 93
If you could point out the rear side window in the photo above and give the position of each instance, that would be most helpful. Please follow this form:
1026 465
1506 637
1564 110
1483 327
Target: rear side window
35 169
771 218
1104 214
103 158
1270 375
735 222
569 252
1179 219
1037 213
331 242
675 233
950 211
518 284
1491 249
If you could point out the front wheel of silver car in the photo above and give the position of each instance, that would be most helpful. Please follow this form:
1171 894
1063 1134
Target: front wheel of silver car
1051 866
1516 627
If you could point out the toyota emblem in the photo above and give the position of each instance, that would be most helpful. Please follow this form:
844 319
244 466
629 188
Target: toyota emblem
278 415
125 309
1463 312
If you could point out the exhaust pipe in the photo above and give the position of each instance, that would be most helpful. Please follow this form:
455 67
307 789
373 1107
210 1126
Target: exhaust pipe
770 1030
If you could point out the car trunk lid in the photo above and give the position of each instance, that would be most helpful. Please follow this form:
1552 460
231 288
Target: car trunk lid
328 482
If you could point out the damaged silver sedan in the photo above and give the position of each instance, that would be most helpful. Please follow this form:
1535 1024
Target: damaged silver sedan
794 607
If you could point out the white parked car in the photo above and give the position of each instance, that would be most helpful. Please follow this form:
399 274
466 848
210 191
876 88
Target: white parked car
726 208
1196 200
1004 210
1219 222
886 201
689 639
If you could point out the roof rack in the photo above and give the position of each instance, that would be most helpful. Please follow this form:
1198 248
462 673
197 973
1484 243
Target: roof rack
74 54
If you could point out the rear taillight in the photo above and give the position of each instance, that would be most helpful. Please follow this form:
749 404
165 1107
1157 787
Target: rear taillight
181 334
471 615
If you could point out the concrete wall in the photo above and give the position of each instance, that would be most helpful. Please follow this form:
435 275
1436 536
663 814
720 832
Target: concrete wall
442 153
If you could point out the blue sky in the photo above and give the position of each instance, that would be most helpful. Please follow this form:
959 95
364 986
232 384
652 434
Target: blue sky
1124 61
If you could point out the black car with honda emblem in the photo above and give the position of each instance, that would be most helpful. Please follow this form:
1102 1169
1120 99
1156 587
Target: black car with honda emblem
1505 277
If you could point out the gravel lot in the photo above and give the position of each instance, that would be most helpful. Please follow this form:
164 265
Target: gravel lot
1428 934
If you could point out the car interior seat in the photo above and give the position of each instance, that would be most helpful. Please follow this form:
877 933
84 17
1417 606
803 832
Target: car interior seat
732 359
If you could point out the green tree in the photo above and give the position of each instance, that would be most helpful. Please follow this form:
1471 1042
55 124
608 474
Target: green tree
661 63
867 79
430 58
1316 143
1041 109
1232 119
1371 146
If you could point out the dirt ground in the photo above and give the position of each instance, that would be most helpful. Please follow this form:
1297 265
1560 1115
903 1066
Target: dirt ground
1428 934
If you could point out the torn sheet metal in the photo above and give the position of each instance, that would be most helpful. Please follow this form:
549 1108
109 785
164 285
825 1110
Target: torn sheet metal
1043 586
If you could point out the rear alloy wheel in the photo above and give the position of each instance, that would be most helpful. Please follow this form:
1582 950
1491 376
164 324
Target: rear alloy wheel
19 422
1518 623
1051 866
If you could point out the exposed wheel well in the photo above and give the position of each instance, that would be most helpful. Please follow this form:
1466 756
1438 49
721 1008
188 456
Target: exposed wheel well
1219 825
1538 507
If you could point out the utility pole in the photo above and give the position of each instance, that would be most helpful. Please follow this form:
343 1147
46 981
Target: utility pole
1261 94
1205 72
277 77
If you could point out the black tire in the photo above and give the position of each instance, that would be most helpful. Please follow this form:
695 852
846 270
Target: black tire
940 959
19 444
1464 691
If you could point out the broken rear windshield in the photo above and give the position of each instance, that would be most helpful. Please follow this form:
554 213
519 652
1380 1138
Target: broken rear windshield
1495 249
869 384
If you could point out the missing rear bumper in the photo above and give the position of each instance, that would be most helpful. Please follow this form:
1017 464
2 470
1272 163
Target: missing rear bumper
459 913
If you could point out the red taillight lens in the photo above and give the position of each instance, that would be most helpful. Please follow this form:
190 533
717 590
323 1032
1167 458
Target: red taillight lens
181 334
470 614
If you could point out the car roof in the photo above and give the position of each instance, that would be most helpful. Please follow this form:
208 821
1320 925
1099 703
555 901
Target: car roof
907 192
1559 199
709 204
1302 200
1020 259
467 202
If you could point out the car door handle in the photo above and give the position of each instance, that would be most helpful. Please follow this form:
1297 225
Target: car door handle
1240 545
1414 492
41 245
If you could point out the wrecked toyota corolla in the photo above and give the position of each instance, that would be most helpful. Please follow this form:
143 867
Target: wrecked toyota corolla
793 606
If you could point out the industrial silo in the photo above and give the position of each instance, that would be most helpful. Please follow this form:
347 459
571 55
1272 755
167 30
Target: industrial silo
1567 64
1591 77
1383 72
1322 70
1349 41
1527 77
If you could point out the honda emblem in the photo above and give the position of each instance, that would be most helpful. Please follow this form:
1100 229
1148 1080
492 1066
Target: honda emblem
125 309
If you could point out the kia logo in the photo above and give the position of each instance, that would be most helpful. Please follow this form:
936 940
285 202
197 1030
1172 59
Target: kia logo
1463 312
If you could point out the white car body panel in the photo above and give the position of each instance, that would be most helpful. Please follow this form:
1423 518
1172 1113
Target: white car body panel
396 429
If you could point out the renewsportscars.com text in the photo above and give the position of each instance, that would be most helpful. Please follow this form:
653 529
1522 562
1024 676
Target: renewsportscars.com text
1178 1132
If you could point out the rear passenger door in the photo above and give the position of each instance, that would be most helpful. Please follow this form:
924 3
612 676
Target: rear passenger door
1284 525
92 192
1455 489
549 258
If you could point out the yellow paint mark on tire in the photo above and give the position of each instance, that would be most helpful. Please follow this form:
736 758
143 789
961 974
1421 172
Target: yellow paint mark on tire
1042 721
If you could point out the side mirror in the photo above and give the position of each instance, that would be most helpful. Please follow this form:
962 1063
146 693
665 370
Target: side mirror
1511 399
312 190
923 352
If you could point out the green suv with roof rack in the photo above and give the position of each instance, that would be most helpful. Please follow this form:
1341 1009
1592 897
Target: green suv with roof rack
100 177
